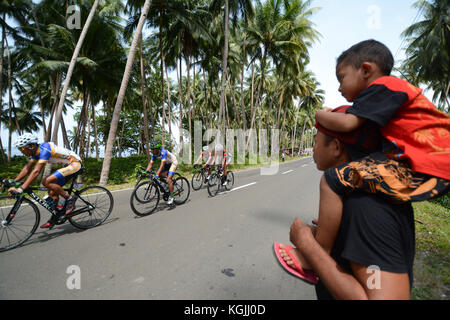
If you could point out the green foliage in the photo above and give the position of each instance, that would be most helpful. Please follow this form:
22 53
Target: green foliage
443 201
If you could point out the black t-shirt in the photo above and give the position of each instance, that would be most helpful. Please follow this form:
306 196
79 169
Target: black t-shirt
374 232
378 103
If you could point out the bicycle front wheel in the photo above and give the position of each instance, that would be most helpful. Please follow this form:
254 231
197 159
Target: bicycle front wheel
213 184
197 180
181 190
230 180
18 221
92 207
144 198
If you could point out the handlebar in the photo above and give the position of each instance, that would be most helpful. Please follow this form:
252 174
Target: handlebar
8 183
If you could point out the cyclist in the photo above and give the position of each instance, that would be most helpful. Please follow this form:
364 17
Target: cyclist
40 155
168 167
222 158
207 156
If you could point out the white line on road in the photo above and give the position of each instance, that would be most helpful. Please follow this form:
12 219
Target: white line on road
287 171
304 165
237 188
245 185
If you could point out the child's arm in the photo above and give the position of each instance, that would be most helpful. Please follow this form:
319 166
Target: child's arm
339 122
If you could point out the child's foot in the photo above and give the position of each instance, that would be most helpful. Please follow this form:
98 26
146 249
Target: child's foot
296 255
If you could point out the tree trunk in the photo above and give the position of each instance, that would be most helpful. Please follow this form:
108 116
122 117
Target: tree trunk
94 122
4 158
123 87
224 68
144 104
70 71
180 85
10 103
244 120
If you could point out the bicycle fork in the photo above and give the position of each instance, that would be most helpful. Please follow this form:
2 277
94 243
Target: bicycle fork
12 213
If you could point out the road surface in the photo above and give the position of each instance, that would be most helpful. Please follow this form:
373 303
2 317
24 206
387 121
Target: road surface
208 248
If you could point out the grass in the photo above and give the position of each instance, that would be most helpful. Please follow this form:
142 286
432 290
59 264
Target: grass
432 262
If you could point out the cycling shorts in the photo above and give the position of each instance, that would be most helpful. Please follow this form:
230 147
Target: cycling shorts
64 174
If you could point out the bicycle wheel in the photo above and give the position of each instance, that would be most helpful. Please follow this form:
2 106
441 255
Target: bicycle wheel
144 198
214 184
22 226
197 180
181 190
230 180
93 206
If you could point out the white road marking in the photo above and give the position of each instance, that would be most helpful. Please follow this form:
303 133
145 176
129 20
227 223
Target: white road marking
237 188
304 165
287 171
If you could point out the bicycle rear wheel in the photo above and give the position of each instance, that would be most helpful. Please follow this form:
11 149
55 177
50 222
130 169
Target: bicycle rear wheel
15 230
214 184
181 190
197 180
93 206
144 198
230 180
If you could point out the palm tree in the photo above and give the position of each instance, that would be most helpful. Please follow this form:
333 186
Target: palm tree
123 87
428 49
70 71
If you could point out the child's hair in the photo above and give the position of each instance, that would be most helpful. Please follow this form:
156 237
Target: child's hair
368 51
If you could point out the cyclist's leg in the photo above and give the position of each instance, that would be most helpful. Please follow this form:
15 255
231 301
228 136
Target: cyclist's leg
172 170
58 179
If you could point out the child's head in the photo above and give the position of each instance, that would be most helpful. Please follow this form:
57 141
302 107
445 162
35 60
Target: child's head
359 65
368 51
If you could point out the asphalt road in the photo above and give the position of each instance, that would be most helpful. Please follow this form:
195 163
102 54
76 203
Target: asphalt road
208 248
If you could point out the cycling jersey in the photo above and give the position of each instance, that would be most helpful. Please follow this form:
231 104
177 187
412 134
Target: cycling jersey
48 152
165 155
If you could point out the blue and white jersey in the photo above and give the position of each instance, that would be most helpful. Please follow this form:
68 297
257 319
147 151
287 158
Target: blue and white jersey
51 153
165 155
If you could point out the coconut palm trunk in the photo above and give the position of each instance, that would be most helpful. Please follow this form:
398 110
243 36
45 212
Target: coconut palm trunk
144 104
70 71
224 69
120 97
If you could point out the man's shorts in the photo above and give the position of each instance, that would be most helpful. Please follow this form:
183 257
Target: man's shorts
66 173
171 167
392 180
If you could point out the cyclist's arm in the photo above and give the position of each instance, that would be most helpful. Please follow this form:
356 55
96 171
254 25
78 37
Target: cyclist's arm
163 161
150 164
33 175
198 159
26 170
213 159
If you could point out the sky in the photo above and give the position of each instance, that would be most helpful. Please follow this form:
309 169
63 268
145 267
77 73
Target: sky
341 24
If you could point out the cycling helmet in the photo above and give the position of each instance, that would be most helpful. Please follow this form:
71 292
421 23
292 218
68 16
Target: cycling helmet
25 140
219 147
155 145
205 148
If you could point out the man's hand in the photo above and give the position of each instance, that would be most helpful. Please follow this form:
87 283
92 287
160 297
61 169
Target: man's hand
301 234
14 191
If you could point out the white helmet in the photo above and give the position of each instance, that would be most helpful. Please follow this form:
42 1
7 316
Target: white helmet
205 148
25 140
219 147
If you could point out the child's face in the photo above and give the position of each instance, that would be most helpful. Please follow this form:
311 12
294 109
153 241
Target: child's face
351 81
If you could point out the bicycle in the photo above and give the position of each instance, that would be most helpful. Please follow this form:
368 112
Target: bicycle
146 195
215 182
200 177
142 174
20 216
